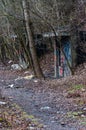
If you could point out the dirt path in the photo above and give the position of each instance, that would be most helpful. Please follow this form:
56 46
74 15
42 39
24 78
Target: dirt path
47 103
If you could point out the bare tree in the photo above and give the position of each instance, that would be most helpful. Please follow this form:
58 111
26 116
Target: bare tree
31 41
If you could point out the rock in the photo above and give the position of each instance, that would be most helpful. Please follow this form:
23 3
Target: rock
52 121
11 85
63 123
16 67
31 128
83 90
26 72
35 81
83 116
2 80
10 61
2 103
11 98
29 77
84 109
45 108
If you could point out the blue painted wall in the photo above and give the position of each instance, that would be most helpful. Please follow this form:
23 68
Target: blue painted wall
63 67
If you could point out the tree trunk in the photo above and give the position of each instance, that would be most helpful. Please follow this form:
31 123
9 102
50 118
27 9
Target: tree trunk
36 65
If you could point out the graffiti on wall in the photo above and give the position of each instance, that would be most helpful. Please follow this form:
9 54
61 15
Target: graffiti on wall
67 51
63 66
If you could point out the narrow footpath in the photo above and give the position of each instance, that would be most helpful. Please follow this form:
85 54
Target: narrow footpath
45 100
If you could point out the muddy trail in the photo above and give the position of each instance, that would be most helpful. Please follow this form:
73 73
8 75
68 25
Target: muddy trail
46 100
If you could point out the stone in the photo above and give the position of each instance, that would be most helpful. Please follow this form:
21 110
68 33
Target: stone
45 108
84 109
11 85
16 67
2 103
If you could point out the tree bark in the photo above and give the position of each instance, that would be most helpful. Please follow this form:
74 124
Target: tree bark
36 65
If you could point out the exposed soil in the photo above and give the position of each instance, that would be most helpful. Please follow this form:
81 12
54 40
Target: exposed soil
57 104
